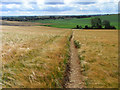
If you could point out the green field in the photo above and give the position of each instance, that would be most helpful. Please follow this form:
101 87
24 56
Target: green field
71 23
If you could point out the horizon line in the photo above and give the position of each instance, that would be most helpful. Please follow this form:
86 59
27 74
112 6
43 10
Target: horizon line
56 15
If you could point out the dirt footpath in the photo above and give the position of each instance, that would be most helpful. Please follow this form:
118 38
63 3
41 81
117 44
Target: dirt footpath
75 78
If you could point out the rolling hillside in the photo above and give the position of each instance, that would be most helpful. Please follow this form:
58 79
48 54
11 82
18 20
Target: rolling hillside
71 23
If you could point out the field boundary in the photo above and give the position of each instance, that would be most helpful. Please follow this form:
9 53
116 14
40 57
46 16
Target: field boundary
73 77
67 69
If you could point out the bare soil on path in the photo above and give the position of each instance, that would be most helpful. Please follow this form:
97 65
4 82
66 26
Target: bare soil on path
75 77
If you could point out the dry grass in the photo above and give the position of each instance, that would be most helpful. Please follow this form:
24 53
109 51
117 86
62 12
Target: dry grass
99 57
33 57
21 23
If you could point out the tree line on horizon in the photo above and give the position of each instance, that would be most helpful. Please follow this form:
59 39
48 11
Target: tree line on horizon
33 18
97 23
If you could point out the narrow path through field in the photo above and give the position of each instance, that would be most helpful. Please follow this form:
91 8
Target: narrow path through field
75 77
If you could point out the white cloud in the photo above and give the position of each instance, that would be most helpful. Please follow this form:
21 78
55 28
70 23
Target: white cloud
40 2
40 8
11 6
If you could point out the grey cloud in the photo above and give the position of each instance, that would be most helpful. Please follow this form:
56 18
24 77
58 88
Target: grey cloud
84 3
54 2
57 9
11 2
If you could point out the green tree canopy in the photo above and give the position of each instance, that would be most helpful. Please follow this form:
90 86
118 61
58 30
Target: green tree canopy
106 24
96 23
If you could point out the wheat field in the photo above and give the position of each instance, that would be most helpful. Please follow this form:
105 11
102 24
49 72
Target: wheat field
99 57
33 56
36 56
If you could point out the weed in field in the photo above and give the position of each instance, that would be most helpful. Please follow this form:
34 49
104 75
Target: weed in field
77 44
81 57
86 82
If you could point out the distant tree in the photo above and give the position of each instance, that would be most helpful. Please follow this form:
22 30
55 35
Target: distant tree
96 23
86 27
106 24
112 27
77 26
80 27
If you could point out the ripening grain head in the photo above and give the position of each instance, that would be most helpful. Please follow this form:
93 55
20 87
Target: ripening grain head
100 52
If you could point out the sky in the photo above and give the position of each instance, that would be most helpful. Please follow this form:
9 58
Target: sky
57 7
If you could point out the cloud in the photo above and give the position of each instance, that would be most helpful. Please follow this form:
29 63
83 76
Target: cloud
79 1
54 2
84 3
11 6
11 3
58 7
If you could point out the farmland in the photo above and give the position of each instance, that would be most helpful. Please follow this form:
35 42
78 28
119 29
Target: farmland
37 56
59 44
34 56
99 57
72 22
